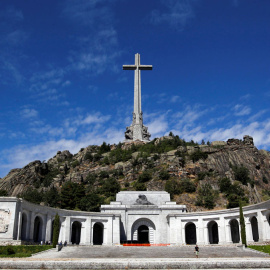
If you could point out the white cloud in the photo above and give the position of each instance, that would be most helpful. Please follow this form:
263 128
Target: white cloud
29 113
241 110
176 13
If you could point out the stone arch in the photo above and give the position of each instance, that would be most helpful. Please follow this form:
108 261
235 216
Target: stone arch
234 231
254 228
76 232
146 223
98 233
213 232
24 226
38 226
190 231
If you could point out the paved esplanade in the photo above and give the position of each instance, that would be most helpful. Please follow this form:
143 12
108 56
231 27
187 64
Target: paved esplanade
137 131
118 257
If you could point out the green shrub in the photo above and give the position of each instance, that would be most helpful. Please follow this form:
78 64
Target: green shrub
173 187
88 156
3 192
75 163
187 186
91 178
110 187
197 155
206 196
103 175
241 174
225 185
10 250
139 186
265 180
164 175
145 177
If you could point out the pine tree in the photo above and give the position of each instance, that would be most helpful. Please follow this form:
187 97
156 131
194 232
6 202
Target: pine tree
242 225
56 226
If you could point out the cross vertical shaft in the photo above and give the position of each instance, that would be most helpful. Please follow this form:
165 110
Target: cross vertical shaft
137 131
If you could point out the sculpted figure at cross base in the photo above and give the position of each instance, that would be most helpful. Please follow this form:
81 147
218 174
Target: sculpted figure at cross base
137 131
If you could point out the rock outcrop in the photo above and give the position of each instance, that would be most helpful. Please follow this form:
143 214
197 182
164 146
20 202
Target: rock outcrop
218 161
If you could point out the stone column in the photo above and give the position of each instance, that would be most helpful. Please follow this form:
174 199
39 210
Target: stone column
266 229
173 230
249 235
221 231
48 228
260 219
66 231
44 225
206 234
116 230
28 226
19 229
88 231
228 232
32 224
200 231
183 233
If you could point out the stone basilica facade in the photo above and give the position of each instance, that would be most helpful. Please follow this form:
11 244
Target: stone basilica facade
135 217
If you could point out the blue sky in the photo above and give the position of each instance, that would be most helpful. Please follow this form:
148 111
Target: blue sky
62 85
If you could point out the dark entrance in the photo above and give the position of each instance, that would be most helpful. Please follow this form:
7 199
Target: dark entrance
255 230
213 232
98 234
24 227
191 238
143 234
235 231
37 236
76 232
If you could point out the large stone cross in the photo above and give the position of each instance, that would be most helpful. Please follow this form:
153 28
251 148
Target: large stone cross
137 131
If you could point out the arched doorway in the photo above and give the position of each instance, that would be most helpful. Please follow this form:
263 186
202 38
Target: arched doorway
24 227
37 236
98 230
191 237
143 230
235 231
143 234
76 232
213 232
255 230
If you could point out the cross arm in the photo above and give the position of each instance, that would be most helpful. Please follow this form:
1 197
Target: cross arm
145 67
129 67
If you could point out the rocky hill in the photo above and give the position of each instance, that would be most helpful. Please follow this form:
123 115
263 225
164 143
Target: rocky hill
202 176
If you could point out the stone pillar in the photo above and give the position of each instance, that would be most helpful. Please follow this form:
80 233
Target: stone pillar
260 219
173 230
228 232
266 229
28 225
249 235
200 231
221 231
206 234
88 231
116 230
32 224
44 225
66 231
19 229
183 233
48 228
106 237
